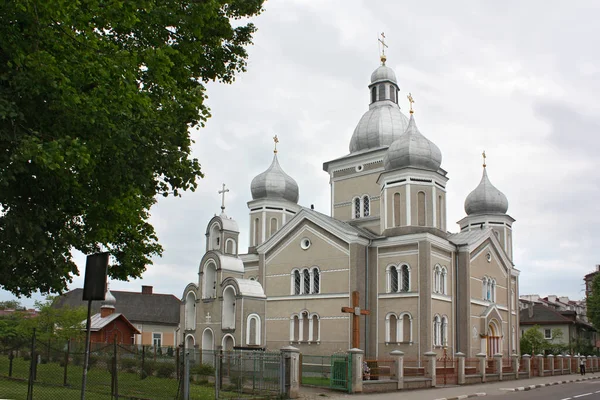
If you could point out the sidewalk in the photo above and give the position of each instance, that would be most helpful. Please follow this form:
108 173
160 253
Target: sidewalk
454 392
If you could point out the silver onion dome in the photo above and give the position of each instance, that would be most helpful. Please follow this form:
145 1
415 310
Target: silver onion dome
486 199
383 73
412 149
274 183
109 300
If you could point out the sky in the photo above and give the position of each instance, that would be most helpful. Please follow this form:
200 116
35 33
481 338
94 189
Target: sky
516 79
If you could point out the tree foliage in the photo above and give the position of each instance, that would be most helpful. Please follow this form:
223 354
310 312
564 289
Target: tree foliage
11 305
533 342
96 99
593 303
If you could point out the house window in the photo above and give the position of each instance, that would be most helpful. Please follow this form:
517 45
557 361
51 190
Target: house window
230 246
437 279
547 334
156 339
398 278
356 207
306 281
398 328
406 327
391 331
190 311
437 331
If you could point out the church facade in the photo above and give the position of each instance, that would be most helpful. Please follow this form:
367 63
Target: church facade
386 238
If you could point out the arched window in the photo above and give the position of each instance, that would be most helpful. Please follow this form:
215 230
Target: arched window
437 279
444 331
190 310
373 94
273 226
208 340
366 206
393 279
306 281
296 282
392 93
253 330
256 231
405 272
209 289
294 328
356 207
421 208
381 91
316 328
391 331
316 278
228 342
305 327
406 323
230 246
397 216
437 331
444 281
213 240
228 311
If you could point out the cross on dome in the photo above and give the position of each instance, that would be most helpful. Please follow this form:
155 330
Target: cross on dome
411 101
222 193
276 140
381 40
484 157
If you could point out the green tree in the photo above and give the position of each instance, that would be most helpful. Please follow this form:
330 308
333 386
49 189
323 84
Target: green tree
593 303
11 305
55 324
532 341
96 100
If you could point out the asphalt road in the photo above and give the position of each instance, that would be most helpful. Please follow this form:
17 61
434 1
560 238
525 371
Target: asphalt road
587 390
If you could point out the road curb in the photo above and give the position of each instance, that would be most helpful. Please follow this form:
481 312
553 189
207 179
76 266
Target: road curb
462 396
531 387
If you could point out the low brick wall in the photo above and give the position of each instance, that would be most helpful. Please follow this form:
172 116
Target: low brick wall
417 383
380 386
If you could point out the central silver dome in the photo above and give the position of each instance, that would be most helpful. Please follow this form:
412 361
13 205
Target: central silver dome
274 183
413 149
486 199
379 126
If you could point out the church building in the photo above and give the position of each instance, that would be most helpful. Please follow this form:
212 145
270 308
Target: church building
382 262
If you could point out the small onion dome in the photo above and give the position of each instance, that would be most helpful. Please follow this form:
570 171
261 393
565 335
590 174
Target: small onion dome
486 199
274 183
383 73
109 300
412 149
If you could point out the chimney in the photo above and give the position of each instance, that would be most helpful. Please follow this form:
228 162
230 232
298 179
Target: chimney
146 289
530 310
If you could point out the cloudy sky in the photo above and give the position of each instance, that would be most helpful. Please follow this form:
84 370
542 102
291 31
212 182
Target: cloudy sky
518 79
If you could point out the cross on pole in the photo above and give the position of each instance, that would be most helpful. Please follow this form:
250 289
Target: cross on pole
484 157
356 313
222 193
383 46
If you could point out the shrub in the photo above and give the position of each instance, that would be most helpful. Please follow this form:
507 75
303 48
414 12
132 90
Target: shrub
149 368
129 364
165 370
203 370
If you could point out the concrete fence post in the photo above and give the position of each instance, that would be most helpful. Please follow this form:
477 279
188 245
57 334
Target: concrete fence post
567 363
595 363
540 358
461 368
551 362
431 367
498 365
515 364
291 359
560 363
527 364
482 360
357 370
398 357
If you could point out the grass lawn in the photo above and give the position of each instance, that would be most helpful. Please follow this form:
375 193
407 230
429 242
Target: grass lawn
315 381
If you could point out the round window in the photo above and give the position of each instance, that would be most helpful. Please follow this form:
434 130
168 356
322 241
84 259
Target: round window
359 168
488 257
305 243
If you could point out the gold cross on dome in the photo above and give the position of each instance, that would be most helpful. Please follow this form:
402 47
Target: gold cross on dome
276 140
411 101
381 40
484 157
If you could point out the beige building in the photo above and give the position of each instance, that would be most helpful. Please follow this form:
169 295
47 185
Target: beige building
386 237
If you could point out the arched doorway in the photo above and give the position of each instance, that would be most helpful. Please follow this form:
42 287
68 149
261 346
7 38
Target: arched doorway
494 339
208 347
228 315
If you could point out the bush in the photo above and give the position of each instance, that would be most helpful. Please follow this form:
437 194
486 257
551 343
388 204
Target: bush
129 364
149 368
165 370
203 370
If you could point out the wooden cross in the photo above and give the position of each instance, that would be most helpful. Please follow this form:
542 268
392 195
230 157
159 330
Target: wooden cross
222 193
411 101
484 156
276 140
356 313
383 46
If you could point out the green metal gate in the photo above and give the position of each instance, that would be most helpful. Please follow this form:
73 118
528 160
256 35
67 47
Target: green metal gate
341 372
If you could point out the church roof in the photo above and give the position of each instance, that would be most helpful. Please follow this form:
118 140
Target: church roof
486 199
97 322
248 287
467 237
274 183
138 307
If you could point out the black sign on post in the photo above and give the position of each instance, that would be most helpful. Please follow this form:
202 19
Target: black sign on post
96 269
